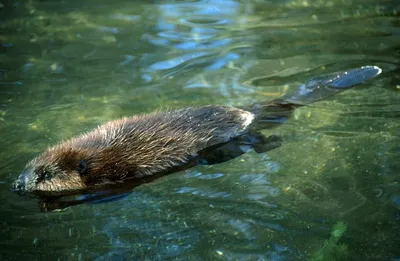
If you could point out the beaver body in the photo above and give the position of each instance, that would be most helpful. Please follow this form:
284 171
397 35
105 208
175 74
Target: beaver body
134 147
159 143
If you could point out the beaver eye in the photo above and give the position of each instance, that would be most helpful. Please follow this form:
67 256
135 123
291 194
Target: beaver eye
83 167
45 175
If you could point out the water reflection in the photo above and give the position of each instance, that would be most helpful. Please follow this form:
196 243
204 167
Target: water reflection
198 36
160 231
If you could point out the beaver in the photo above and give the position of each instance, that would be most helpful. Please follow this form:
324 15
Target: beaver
147 146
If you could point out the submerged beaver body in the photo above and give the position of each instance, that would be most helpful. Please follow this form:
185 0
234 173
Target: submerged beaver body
163 142
133 147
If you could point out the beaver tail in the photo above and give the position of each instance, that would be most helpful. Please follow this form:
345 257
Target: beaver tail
278 111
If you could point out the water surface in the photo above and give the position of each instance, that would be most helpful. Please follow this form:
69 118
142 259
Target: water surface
331 192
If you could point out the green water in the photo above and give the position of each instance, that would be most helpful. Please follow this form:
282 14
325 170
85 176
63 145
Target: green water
331 192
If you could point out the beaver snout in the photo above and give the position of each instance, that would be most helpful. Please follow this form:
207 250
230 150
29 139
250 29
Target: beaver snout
19 185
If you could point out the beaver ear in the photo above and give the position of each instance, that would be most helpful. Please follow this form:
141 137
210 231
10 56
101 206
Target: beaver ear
83 168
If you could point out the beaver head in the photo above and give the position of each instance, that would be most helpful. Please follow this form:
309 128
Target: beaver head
81 164
58 169
96 158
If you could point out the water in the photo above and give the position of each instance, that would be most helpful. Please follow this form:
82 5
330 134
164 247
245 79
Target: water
330 193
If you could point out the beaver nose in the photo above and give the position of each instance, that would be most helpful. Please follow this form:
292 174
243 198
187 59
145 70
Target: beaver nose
18 185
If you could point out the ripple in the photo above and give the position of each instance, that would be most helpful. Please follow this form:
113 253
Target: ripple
260 179
185 29
209 21
245 228
174 62
202 193
203 45
211 176
197 33
201 9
